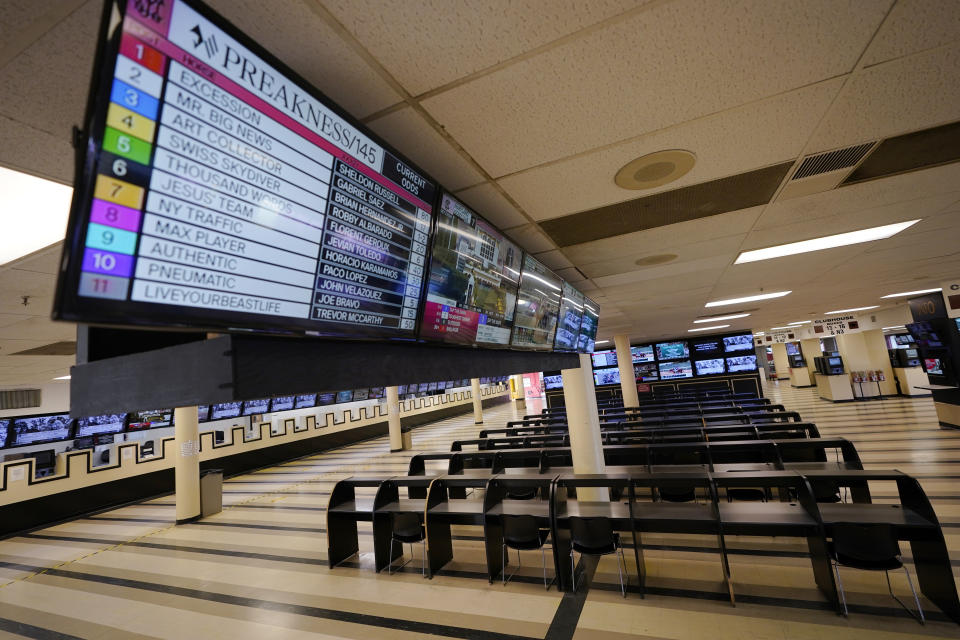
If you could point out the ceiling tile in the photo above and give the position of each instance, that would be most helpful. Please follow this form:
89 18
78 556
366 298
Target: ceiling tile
531 238
490 203
727 143
554 259
409 132
709 269
428 43
37 152
915 25
672 63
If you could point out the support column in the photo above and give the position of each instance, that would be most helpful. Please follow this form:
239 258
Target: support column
519 399
583 421
186 446
393 419
628 381
780 361
477 401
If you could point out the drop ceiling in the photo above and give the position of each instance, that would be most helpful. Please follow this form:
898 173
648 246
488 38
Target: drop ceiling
527 115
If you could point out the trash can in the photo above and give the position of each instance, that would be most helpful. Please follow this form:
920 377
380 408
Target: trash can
211 492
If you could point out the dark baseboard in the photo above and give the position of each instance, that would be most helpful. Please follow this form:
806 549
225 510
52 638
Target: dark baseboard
947 425
189 520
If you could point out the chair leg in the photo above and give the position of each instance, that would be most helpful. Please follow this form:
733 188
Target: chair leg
573 572
843 595
423 553
623 588
543 555
919 617
390 565
503 558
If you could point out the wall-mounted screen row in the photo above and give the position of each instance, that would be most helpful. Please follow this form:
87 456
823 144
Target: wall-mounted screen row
219 190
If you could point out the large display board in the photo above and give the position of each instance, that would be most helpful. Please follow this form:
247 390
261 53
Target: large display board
588 326
220 190
474 275
538 306
568 322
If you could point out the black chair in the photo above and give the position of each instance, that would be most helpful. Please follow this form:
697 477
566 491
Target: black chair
871 547
406 527
595 537
520 532
521 493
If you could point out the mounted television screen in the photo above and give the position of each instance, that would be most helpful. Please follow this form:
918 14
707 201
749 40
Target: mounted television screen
568 325
606 376
738 343
256 407
422 387
709 367
912 353
402 390
905 338
553 382
305 401
360 394
642 353
933 366
538 306
203 413
376 392
325 399
473 280
282 403
36 429
216 194
4 431
925 335
706 347
94 425
674 370
793 349
646 372
225 410
588 326
432 386
604 358
737 364
152 419
672 350
344 396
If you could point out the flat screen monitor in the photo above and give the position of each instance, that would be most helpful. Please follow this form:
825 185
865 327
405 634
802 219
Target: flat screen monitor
4 431
835 361
203 413
676 369
220 190
706 347
742 342
606 358
568 324
152 419
646 372
904 339
305 401
710 367
473 280
344 396
432 386
422 387
361 394
376 392
610 375
912 353
925 335
95 425
736 364
36 429
282 403
225 410
256 407
933 366
552 381
672 350
642 353
793 349
538 306
324 399
402 390
588 326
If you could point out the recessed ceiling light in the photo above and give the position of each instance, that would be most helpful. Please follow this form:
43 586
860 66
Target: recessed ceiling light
760 333
719 326
62 378
826 242
759 296
899 326
601 342
35 213
775 328
911 293
796 324
655 169
719 318
852 310
660 258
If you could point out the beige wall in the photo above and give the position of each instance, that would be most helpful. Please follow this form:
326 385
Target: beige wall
780 360
867 351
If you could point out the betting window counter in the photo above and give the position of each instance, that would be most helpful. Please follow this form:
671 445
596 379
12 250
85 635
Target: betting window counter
834 388
912 379
800 377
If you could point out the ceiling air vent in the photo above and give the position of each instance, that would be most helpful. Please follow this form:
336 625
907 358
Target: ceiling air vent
20 399
824 171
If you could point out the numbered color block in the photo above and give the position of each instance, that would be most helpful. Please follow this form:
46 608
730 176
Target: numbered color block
122 119
138 76
95 285
123 144
114 215
107 262
119 192
110 239
142 54
134 99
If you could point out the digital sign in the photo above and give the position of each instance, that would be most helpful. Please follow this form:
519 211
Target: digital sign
220 190
588 326
568 324
538 306
474 275
93 425
37 429
643 353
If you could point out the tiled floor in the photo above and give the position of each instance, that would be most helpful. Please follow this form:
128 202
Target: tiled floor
258 569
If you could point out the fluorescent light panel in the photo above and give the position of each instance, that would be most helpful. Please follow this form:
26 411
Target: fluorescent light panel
719 326
911 293
851 310
797 324
899 326
62 378
826 242
759 296
601 342
776 328
720 318
34 213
